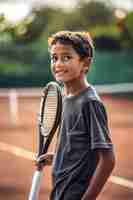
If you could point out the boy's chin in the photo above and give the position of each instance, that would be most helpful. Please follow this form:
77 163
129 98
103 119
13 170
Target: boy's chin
59 81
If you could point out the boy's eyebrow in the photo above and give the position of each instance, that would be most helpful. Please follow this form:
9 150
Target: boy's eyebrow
64 53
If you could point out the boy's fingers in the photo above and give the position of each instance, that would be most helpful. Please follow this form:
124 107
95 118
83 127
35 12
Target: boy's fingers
46 157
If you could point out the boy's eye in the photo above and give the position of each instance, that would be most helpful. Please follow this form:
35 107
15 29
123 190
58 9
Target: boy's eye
54 59
66 58
63 58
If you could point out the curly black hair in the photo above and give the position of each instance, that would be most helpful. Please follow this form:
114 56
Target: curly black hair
80 41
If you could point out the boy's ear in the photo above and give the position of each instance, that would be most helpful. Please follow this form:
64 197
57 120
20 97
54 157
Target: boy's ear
86 64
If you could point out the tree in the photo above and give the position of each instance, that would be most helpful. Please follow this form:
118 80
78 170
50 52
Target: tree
95 13
33 26
125 27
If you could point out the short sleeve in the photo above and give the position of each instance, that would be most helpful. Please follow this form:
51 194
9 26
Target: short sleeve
97 123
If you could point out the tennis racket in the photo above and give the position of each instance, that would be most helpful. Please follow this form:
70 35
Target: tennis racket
48 122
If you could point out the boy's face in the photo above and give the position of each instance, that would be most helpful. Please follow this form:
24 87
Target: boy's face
66 64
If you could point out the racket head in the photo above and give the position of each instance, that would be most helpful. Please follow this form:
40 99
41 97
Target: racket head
49 116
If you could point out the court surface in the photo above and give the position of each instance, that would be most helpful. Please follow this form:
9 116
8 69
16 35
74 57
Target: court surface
16 145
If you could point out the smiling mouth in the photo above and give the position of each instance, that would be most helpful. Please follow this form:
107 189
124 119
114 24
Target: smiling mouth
60 72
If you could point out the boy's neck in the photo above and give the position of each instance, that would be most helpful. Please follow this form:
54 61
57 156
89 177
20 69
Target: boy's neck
73 89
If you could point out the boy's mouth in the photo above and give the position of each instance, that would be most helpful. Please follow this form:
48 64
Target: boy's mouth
60 72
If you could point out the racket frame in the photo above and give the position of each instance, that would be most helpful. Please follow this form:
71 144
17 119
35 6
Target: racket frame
43 141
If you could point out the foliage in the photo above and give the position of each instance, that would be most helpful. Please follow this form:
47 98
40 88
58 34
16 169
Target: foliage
106 37
84 17
32 27
48 20
127 32
95 13
108 30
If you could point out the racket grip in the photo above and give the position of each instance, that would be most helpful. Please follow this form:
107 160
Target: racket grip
34 192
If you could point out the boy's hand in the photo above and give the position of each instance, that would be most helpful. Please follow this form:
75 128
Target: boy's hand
86 196
47 158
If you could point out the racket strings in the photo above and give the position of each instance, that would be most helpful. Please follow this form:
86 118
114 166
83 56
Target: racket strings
50 110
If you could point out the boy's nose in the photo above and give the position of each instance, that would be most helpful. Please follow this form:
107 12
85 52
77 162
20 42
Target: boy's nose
59 63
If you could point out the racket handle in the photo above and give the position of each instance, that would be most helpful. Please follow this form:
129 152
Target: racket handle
34 192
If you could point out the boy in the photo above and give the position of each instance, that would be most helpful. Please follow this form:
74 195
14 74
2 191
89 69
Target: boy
84 157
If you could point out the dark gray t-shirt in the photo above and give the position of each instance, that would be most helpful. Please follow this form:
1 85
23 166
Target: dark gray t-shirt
84 128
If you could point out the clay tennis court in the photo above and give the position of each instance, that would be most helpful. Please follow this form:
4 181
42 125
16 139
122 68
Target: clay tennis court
16 145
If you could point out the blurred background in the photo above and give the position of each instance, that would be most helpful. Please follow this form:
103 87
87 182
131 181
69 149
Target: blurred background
26 25
25 68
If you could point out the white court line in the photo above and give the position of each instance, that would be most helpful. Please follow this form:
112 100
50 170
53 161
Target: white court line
121 181
16 151
29 155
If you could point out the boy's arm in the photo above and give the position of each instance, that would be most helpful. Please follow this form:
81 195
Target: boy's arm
105 165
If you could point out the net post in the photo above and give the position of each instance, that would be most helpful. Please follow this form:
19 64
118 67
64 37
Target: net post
13 106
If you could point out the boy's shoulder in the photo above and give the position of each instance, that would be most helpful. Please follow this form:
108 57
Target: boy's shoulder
91 95
92 99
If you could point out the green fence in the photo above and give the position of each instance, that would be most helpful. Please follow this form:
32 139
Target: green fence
112 67
31 68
